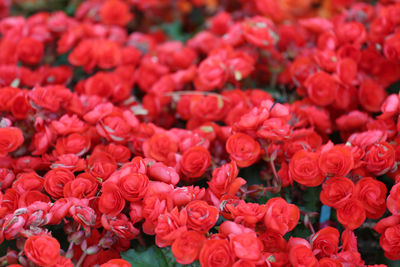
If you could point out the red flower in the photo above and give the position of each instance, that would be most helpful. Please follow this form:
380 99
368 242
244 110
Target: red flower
216 253
43 250
186 248
321 88
170 226
390 242
325 242
393 200
133 186
281 216
111 201
201 216
115 12
211 74
351 214
116 263
260 32
304 168
372 194
243 149
11 138
336 191
159 147
301 255
379 158
247 246
337 161
194 163
81 187
30 51
55 180
371 95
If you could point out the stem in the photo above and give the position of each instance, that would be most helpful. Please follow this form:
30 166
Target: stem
141 240
81 259
70 249
276 176
311 227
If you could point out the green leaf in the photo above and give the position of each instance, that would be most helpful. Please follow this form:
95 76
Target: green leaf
148 257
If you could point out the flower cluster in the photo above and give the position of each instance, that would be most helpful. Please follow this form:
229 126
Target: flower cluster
203 137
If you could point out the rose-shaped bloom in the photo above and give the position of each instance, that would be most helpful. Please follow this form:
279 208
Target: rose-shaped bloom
216 253
81 187
11 138
393 200
30 197
116 263
246 213
260 31
74 143
351 214
27 181
201 216
371 95
336 191
247 246
273 241
159 147
337 161
115 12
55 180
379 158
304 168
120 225
30 51
194 163
111 201
133 186
372 194
243 149
42 250
101 165
244 263
58 211
207 108
222 177
301 255
346 69
281 216
390 243
391 47
325 242
153 207
117 127
349 240
186 248
351 32
83 215
211 74
120 153
321 88
170 226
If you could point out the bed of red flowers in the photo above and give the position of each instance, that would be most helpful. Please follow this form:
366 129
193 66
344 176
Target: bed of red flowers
163 133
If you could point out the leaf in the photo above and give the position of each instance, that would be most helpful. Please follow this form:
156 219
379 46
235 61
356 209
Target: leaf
148 257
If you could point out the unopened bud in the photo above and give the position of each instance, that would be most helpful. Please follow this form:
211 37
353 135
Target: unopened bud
92 250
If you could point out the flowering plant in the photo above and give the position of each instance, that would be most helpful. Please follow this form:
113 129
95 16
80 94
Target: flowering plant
199 133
